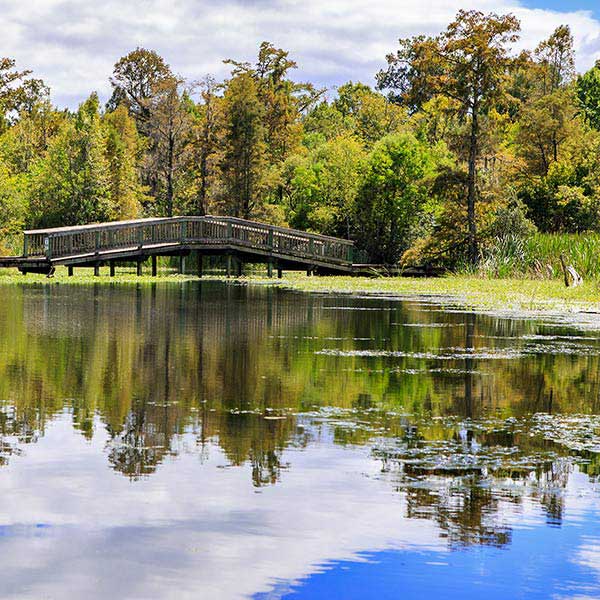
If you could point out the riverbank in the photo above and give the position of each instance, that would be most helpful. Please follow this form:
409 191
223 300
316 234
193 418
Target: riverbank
473 292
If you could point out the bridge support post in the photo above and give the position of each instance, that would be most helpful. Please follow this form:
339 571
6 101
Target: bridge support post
228 267
181 264
270 269
154 270
199 260
97 270
112 268
139 264
240 267
279 272
309 272
70 271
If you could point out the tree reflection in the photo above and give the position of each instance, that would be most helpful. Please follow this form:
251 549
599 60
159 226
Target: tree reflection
233 366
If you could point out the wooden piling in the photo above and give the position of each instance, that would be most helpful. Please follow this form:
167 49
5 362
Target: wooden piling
112 268
70 270
154 268
97 270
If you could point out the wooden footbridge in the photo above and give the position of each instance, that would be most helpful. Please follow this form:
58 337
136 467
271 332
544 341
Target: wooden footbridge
239 240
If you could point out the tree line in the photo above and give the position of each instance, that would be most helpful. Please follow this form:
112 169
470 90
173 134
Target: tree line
462 141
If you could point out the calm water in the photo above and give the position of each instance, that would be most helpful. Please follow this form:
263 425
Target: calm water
212 441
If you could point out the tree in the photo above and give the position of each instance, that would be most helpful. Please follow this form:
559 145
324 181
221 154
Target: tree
543 127
323 186
468 63
588 95
555 60
26 140
244 159
136 79
169 125
13 202
71 183
123 150
371 114
18 92
393 194
204 154
323 123
284 101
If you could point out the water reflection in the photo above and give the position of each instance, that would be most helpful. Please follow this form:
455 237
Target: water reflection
189 426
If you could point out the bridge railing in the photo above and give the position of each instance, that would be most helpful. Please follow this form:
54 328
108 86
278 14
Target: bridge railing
181 231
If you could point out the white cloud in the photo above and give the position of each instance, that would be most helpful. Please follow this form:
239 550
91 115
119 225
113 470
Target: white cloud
73 44
192 529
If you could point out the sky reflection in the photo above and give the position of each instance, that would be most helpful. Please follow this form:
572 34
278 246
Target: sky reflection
196 442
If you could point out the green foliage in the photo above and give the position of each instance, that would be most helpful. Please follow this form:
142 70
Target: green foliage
71 182
244 159
18 92
461 147
13 202
588 95
323 186
468 64
544 250
135 81
124 149
395 189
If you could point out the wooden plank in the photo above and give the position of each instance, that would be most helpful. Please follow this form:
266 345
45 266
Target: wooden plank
132 239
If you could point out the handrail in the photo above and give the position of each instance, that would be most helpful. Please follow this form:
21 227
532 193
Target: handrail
185 230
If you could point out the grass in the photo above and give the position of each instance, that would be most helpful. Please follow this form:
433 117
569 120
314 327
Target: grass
538 256
476 292
124 275
580 250
471 291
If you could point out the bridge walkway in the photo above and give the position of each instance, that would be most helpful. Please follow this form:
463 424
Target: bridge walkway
126 241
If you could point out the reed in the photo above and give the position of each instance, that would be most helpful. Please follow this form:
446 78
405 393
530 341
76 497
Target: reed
538 256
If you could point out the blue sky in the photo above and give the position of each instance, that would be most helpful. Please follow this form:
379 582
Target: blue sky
73 44
563 5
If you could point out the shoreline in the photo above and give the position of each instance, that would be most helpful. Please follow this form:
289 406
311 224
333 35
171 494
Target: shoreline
506 295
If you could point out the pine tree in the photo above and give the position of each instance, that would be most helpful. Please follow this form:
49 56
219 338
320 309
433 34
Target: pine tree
244 161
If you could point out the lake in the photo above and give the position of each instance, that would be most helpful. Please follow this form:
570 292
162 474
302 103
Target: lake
205 440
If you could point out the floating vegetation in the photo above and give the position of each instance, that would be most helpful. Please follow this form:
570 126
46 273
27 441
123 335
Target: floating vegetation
534 450
360 308
550 337
461 458
576 432
562 348
432 325
456 354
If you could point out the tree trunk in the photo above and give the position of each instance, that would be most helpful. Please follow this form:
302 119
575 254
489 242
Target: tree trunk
471 187
203 185
170 179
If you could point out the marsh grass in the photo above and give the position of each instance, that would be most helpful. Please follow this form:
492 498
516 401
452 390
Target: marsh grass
470 291
474 291
125 275
538 256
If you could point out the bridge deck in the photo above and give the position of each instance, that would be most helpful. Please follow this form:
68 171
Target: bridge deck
93 245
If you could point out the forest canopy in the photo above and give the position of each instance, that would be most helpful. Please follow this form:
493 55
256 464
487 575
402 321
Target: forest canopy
461 142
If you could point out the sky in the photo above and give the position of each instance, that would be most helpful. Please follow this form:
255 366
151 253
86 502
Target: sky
73 44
